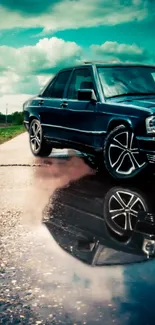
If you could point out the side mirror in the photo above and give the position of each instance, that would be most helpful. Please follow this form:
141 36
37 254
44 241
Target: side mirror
87 95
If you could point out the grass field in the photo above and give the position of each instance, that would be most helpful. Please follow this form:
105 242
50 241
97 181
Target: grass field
9 132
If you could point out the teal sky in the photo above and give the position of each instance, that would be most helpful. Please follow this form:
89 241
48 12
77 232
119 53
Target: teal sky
142 34
37 38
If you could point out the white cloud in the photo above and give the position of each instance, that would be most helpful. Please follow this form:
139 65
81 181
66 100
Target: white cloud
43 79
82 13
25 70
45 56
123 52
12 83
12 102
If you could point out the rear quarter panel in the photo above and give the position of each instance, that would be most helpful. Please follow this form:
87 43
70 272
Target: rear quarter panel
31 110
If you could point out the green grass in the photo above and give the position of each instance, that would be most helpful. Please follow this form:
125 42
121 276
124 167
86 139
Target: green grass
9 132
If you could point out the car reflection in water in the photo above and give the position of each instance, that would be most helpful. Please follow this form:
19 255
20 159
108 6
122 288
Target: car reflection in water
101 223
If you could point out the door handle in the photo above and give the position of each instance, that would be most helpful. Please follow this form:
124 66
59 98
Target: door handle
41 102
64 104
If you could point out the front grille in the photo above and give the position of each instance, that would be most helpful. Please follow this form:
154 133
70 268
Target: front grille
151 158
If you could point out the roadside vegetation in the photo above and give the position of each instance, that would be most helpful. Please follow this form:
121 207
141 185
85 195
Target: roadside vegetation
11 127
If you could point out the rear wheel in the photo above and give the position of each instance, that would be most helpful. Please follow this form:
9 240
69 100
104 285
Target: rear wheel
38 145
122 156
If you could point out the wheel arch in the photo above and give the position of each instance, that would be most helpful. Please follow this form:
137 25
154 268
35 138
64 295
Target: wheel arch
29 120
116 122
33 117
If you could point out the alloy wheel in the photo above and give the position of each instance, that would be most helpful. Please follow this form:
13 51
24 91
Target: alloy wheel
35 136
121 210
124 208
124 154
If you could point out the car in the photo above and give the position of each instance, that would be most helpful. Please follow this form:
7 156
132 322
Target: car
104 110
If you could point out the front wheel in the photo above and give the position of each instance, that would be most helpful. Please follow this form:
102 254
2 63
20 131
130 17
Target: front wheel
121 209
37 143
122 156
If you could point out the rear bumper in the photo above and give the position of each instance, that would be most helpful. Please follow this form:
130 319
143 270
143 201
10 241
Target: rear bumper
147 146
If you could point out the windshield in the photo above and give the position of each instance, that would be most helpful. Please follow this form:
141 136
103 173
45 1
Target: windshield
118 81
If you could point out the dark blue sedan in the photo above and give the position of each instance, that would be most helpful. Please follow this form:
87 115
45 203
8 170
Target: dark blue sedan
107 110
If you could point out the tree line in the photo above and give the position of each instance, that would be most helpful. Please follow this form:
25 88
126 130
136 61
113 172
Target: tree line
15 118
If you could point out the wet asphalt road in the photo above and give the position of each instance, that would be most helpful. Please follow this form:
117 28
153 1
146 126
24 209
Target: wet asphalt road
40 282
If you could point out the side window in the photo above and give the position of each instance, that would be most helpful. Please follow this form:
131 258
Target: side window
57 87
47 87
81 79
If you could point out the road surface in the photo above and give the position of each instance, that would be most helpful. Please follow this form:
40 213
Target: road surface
41 283
31 263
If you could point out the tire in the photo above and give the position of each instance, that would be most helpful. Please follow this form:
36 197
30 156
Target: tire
121 210
38 145
122 157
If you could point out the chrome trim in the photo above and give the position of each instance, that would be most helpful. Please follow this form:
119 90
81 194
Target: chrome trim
72 129
86 212
145 138
151 158
58 140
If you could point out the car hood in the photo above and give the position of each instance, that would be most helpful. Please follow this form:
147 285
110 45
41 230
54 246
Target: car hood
147 104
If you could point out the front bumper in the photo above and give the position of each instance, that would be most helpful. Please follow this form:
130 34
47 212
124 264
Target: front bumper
147 146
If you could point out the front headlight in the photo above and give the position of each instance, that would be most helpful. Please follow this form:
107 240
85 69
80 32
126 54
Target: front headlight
150 124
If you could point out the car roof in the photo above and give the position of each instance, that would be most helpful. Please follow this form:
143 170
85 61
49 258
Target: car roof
107 65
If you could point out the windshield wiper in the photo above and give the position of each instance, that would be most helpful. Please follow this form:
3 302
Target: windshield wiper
132 94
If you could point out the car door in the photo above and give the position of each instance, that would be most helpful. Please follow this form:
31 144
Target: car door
81 123
53 112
